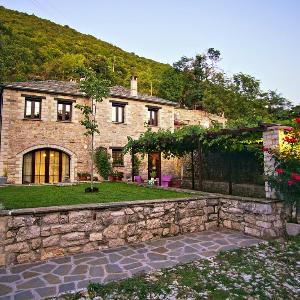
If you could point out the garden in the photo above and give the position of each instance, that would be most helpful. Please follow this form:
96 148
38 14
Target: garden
13 197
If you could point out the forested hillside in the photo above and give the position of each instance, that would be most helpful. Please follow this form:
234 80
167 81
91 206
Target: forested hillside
32 48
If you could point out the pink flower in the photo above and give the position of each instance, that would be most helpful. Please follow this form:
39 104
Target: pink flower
297 120
295 176
265 149
290 182
279 171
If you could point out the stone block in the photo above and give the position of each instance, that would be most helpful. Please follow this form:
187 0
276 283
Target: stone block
117 213
51 218
51 252
27 233
269 233
74 236
15 222
36 243
96 236
227 224
252 231
209 210
129 211
51 241
2 260
113 231
211 225
81 216
116 242
153 223
21 247
263 224
158 209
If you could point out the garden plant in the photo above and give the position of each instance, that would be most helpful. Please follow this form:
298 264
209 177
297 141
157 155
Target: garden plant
286 178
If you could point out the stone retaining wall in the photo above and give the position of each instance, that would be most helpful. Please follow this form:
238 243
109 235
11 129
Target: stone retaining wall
261 219
40 233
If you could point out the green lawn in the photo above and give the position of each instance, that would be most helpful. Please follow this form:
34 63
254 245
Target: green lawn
40 196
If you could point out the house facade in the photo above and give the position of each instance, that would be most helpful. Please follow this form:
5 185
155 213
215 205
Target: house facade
42 141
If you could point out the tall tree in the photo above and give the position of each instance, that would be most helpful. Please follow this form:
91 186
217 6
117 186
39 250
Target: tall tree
95 88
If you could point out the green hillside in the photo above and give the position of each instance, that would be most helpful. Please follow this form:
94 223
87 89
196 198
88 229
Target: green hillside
32 48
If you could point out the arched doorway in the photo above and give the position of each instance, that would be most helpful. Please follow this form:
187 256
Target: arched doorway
46 166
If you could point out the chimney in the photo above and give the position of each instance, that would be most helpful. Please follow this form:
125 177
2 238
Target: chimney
133 86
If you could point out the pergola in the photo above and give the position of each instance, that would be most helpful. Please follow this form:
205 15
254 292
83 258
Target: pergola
186 142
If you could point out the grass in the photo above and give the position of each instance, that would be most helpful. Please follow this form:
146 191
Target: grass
266 271
13 197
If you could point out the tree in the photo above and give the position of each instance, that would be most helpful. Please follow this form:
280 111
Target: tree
95 88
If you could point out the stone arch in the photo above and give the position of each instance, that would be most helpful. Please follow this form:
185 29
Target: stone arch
72 155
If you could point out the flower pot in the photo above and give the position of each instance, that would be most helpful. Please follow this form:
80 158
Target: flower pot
112 178
3 179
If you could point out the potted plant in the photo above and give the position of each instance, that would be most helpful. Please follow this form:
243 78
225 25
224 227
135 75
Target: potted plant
153 178
120 176
176 182
113 175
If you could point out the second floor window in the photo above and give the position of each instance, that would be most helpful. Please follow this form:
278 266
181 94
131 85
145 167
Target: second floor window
33 108
152 116
64 111
118 111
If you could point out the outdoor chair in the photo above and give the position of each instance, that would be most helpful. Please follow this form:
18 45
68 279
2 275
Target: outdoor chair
166 180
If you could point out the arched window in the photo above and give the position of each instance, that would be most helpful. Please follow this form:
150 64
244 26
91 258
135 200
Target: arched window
46 166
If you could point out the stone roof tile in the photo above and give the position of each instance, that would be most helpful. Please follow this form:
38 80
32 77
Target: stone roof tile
72 88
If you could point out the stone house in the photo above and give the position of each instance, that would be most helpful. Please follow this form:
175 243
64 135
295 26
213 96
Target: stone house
42 141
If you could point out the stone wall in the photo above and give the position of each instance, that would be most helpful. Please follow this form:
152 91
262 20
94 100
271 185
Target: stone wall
257 218
197 117
28 235
20 135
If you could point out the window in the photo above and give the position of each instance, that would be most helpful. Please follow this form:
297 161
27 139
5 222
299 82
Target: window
32 108
118 112
117 157
153 116
64 111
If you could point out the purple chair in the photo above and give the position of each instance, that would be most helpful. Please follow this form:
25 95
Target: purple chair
166 180
138 179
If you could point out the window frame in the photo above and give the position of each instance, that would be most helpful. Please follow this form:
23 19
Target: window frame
117 164
33 100
153 121
64 103
118 105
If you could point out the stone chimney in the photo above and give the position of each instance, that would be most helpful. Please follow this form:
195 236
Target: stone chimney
133 86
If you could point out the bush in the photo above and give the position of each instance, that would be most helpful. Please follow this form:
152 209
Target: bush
137 163
102 161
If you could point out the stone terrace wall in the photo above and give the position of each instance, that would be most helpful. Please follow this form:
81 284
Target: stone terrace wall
28 235
261 219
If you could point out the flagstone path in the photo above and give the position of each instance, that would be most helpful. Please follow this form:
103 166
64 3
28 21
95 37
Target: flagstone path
55 276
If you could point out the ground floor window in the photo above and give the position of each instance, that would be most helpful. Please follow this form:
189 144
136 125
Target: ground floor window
118 157
46 166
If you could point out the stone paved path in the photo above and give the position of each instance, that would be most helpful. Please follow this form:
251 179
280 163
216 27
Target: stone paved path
55 276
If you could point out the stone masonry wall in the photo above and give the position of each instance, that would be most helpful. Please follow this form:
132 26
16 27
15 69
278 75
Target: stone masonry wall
21 135
197 117
261 219
28 235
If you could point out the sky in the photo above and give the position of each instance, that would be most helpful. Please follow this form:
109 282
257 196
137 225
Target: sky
257 37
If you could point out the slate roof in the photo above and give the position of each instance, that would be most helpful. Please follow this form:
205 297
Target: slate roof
72 88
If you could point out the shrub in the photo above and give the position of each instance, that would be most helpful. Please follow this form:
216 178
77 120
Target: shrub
102 161
286 178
